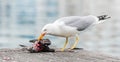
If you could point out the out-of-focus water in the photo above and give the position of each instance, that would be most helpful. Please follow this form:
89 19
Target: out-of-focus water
21 22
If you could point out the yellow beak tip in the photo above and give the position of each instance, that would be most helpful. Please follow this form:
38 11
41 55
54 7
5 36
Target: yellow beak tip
41 36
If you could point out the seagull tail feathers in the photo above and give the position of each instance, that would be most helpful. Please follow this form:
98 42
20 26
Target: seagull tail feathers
102 18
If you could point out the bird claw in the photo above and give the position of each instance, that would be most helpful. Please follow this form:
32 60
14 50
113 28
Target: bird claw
77 49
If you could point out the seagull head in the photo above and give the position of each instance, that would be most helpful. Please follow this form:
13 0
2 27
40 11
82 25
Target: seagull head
46 30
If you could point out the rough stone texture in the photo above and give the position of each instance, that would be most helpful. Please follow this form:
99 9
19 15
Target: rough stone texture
18 55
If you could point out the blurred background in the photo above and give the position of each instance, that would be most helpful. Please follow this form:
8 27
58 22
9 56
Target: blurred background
22 20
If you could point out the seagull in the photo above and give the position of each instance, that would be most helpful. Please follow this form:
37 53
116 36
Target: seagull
71 26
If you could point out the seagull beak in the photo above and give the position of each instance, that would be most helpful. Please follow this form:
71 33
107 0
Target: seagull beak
42 35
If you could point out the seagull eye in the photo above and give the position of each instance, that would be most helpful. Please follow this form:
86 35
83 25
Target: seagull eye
45 29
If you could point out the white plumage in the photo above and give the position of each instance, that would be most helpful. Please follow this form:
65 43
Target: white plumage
71 26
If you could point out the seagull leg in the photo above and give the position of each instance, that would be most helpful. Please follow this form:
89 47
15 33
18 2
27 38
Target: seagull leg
76 42
65 44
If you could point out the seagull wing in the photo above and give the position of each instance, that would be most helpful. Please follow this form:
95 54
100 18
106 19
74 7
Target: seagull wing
81 23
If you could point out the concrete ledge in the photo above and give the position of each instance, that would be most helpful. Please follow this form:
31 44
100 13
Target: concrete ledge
18 55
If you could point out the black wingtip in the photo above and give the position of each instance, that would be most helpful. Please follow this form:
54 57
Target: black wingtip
103 17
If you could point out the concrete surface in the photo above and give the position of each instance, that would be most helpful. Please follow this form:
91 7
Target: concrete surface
18 55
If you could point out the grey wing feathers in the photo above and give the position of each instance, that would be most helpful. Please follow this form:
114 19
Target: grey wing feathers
80 22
